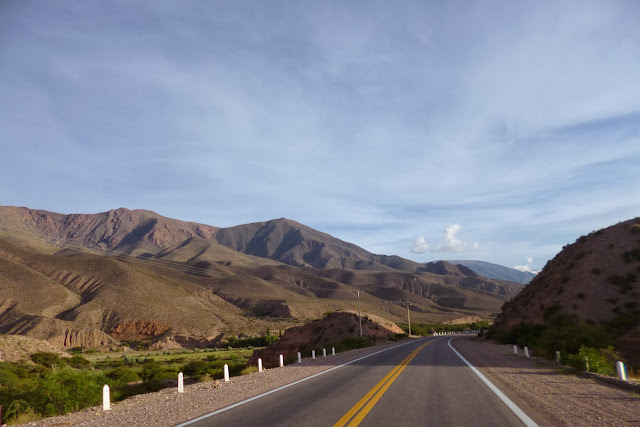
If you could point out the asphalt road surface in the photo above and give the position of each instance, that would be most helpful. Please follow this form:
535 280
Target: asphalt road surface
418 384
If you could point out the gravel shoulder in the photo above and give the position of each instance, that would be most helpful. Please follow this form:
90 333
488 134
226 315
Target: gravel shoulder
560 396
556 396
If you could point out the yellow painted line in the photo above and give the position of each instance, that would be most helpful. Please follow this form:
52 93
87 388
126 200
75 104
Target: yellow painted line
376 392
342 421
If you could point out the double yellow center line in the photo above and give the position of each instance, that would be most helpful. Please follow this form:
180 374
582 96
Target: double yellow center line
371 398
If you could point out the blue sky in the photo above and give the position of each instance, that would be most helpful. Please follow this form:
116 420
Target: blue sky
490 130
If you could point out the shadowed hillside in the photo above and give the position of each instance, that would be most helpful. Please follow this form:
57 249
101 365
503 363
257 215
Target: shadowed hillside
595 280
295 244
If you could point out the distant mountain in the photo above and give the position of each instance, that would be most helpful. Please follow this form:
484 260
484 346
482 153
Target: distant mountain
496 271
136 232
295 244
98 279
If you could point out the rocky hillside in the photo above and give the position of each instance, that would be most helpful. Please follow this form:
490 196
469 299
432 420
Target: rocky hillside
596 278
136 232
330 330
99 280
295 244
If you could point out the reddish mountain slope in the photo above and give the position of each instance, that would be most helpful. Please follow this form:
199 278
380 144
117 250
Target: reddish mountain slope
596 278
135 232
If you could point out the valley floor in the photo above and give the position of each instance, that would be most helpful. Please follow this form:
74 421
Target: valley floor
534 385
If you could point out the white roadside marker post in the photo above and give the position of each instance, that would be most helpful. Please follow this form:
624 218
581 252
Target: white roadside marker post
313 354
259 365
333 351
281 361
106 398
180 382
226 373
299 357
622 374
526 352
558 358
324 352
515 350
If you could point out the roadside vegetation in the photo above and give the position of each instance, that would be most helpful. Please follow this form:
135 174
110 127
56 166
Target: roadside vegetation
583 345
49 385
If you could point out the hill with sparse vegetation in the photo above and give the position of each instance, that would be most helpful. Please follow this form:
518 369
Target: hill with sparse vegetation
588 295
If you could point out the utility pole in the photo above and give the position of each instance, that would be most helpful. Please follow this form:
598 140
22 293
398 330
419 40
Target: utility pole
359 312
408 316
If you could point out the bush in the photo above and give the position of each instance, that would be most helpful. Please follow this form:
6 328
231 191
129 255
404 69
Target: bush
600 361
66 390
249 370
196 367
154 371
123 375
350 343
45 358
78 362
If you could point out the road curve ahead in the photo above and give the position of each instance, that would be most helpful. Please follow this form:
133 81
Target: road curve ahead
421 383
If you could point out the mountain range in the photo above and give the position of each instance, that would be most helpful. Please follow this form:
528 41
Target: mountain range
496 271
97 279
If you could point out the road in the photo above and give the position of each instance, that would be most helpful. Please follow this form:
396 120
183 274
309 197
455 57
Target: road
421 383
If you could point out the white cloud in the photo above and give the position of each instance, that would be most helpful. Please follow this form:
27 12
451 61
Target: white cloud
420 246
528 267
449 242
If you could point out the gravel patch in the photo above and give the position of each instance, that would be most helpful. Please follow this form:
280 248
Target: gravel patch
562 397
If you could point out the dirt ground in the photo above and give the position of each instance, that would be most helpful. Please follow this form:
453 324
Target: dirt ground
555 394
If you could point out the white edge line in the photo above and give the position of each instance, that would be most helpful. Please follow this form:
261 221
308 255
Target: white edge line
519 412
226 408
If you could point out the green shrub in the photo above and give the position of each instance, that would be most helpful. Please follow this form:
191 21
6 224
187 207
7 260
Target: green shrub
196 367
600 361
154 371
75 350
123 375
78 362
45 358
66 390
350 343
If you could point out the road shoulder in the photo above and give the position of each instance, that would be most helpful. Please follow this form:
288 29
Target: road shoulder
550 394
